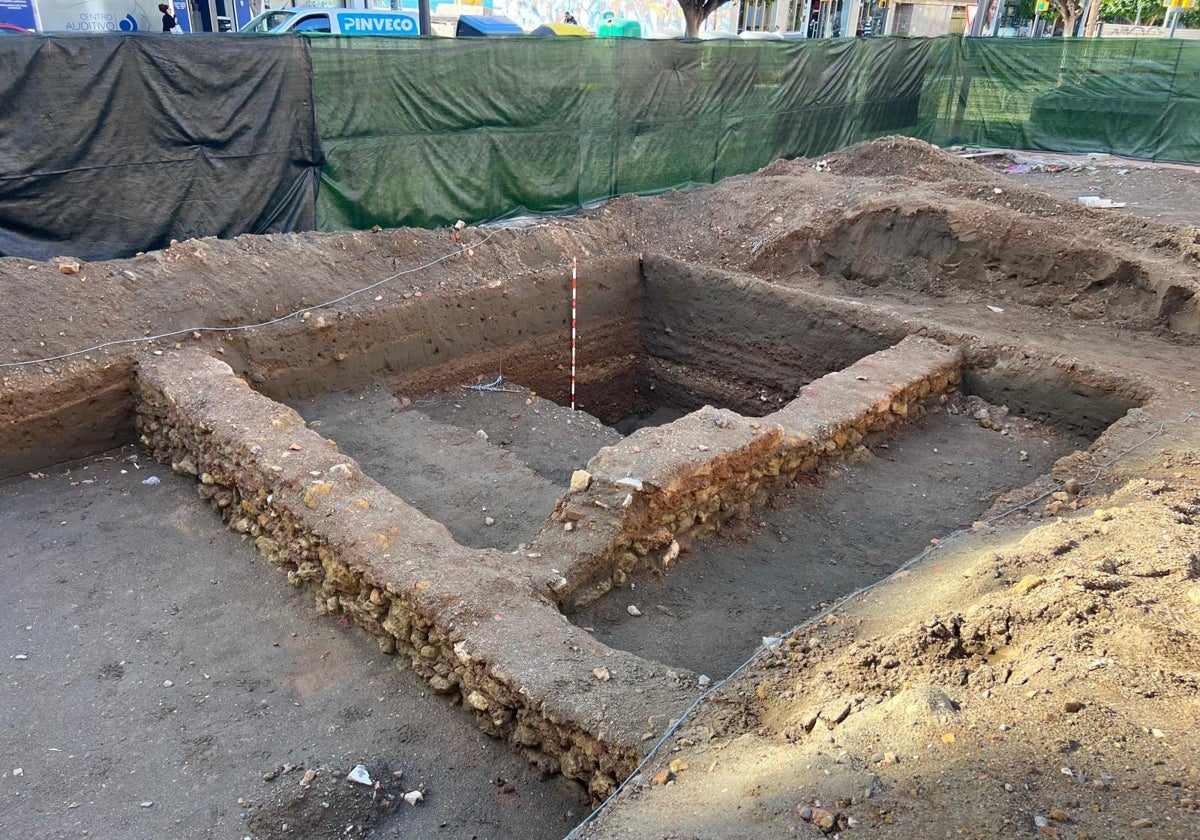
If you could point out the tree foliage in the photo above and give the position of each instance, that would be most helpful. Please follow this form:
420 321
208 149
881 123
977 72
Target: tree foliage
1126 11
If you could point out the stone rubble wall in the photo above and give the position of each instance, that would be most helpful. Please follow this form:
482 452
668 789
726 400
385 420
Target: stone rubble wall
471 628
641 502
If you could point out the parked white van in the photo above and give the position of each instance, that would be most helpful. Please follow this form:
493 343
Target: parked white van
336 22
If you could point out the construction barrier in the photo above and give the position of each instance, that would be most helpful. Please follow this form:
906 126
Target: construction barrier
115 144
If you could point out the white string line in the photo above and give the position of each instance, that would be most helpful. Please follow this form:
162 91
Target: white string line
336 300
837 605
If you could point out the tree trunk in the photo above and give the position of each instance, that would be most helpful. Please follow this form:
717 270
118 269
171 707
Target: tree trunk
1089 25
693 16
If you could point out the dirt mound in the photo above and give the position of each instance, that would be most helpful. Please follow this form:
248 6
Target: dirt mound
897 156
1052 694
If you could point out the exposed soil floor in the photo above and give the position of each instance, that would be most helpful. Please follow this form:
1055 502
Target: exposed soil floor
151 656
459 458
822 539
1163 192
1033 678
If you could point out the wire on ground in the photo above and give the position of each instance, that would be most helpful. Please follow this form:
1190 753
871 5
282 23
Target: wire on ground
843 601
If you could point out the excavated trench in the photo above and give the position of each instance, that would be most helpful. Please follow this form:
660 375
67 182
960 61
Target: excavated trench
665 340
484 506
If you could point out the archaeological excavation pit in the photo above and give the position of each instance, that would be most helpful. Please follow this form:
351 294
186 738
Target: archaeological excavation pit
717 526
744 453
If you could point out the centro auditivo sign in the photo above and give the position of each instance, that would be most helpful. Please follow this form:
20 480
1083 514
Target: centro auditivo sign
91 15
359 23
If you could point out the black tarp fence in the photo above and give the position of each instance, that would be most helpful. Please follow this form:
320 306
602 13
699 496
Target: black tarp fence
114 144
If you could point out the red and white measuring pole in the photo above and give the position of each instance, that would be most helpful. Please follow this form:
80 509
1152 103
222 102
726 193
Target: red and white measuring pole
574 288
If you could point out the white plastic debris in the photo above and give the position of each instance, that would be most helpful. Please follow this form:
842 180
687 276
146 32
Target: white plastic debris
635 483
147 804
996 309
772 642
152 480
413 797
359 775
1098 203
705 680
633 611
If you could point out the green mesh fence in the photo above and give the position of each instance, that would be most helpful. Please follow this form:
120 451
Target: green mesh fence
427 133
1134 97
422 132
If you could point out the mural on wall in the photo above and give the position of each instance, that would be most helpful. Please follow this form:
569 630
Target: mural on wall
653 15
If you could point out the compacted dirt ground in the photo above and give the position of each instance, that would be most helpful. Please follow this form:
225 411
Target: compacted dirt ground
1036 675
159 679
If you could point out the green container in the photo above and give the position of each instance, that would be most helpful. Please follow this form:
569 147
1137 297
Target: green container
618 28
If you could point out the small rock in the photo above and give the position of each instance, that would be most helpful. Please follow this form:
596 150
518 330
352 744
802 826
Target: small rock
580 480
1072 486
633 611
21 657
704 681
18 772
662 777
487 520
804 812
1024 455
414 796
1058 815
1142 823
835 714
601 674
147 804
671 553
1072 706
69 268
823 819
307 780
1027 584
167 683
1158 733
359 775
